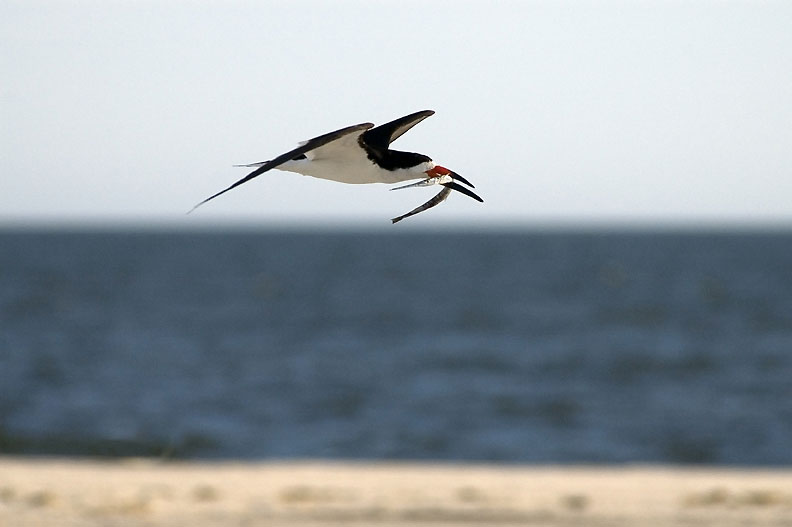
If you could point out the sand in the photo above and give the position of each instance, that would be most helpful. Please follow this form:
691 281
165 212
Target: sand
64 492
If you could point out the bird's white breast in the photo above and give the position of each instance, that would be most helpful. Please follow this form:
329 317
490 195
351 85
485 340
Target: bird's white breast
354 169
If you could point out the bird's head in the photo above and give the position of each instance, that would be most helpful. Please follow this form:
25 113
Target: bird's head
449 178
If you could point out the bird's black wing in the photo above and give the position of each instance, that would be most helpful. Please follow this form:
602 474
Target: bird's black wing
437 200
307 146
383 135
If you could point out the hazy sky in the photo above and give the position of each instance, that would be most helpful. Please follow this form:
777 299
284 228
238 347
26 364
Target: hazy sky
556 111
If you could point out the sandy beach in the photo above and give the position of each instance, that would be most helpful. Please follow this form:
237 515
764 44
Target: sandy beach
66 492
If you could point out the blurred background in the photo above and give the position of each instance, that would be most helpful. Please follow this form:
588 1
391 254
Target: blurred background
624 293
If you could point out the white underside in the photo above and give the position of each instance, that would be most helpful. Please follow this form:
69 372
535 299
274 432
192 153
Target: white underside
354 173
345 161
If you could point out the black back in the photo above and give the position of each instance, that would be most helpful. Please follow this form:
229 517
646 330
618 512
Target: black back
393 159
376 142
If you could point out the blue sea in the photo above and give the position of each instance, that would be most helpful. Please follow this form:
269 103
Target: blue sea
499 346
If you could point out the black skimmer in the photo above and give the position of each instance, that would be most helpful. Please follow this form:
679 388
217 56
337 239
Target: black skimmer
361 154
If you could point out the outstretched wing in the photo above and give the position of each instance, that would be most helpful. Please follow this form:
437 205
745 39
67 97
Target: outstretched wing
383 135
437 200
305 147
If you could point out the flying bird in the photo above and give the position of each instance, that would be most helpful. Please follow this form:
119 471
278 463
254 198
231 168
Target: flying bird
361 154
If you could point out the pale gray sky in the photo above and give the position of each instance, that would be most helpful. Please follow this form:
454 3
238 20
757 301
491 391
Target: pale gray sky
556 111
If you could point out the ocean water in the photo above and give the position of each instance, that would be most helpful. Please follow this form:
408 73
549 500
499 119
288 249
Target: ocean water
529 347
